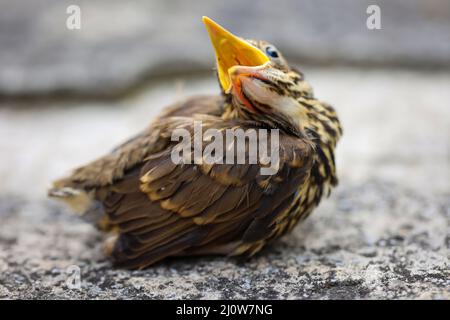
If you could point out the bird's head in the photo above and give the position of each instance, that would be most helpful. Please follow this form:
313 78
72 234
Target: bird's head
261 85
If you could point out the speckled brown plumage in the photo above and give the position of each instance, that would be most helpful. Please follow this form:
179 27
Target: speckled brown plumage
155 208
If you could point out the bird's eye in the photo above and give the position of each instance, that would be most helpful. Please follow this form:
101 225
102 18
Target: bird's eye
272 52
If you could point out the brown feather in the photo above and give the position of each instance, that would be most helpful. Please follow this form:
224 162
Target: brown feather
162 209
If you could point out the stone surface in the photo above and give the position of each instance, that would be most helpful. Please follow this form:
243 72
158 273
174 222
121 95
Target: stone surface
376 240
383 233
123 42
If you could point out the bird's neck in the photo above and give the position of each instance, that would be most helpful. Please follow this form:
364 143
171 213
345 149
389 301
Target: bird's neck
316 120
322 125
272 120
320 121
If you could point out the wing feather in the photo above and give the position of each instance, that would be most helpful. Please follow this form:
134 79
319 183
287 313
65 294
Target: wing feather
162 209
219 204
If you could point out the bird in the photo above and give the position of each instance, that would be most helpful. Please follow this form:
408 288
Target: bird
152 208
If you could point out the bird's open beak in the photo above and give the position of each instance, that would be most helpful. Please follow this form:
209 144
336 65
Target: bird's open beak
231 51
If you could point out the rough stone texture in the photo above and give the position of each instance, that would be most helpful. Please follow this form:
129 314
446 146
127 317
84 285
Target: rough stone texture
376 240
121 42
384 232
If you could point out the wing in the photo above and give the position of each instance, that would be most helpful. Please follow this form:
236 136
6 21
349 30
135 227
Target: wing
109 168
162 209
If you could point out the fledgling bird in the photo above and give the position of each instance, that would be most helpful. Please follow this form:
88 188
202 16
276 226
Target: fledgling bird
154 208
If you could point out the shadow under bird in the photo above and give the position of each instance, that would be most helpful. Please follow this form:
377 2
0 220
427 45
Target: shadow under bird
153 208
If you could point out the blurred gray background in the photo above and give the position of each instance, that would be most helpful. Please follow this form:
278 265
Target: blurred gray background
68 96
122 42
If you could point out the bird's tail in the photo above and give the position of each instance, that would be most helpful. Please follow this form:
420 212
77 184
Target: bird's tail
77 199
82 202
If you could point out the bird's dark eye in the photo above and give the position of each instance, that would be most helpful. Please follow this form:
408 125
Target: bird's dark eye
272 52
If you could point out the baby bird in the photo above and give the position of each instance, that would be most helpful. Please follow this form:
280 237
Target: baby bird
154 207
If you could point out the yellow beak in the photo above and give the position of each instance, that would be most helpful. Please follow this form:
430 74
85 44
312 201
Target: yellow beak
231 51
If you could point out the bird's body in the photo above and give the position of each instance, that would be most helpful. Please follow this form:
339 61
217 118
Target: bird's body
156 208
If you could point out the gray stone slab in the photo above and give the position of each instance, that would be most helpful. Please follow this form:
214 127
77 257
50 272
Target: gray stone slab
375 240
